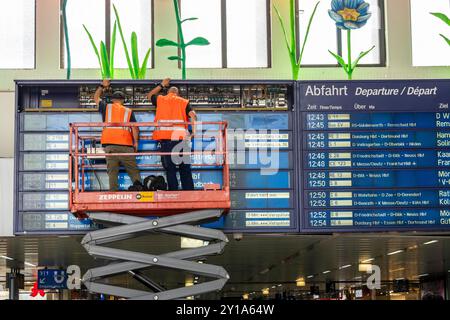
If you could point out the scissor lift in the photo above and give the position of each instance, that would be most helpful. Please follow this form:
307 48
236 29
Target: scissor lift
132 214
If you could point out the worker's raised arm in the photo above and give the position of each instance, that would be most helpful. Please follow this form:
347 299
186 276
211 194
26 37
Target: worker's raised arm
98 93
165 83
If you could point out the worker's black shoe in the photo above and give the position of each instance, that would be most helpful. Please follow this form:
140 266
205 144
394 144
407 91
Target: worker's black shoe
137 186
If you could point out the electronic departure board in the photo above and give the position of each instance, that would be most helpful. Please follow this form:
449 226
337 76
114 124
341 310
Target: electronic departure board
375 155
263 180
312 157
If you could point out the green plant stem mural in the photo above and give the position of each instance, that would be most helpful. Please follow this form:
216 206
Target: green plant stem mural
137 71
105 60
291 42
182 45
446 20
66 39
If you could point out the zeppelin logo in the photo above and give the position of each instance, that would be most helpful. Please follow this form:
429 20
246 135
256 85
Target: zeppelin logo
145 197
107 197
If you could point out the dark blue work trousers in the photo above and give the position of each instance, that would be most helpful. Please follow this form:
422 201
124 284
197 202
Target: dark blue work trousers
173 163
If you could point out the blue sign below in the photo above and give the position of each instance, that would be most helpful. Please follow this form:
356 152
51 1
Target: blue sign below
52 279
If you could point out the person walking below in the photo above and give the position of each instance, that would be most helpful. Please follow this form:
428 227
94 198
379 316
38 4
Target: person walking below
172 109
118 139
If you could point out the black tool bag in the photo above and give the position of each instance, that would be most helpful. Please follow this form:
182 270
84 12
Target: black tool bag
154 183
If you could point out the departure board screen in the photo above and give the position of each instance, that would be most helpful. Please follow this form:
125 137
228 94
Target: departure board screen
264 185
375 155
333 156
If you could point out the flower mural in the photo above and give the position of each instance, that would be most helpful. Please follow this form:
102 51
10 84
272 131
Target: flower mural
350 15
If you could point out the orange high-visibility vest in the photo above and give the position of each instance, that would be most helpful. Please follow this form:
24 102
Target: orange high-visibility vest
171 109
116 113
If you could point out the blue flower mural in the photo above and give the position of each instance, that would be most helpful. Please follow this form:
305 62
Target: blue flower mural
350 15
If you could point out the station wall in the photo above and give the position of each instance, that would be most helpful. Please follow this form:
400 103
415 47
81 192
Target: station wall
399 58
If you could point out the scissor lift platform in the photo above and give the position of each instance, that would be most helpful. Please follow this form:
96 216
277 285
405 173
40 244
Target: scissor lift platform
132 214
142 204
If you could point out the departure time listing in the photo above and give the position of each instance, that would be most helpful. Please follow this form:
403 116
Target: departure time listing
380 170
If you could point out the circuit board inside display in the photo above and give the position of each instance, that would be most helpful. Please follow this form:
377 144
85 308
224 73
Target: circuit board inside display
260 96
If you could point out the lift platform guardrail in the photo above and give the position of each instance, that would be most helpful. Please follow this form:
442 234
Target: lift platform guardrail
143 203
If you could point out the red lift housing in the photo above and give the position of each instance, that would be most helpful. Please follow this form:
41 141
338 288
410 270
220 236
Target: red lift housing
157 203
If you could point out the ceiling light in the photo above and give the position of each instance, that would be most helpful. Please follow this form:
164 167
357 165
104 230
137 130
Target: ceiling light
280 285
29 264
245 296
311 276
422 275
368 260
327 271
300 282
394 252
7 258
188 243
430 242
396 270
264 271
273 287
265 291
363 267
345 267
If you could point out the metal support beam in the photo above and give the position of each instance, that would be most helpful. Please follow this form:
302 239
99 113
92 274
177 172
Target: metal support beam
125 261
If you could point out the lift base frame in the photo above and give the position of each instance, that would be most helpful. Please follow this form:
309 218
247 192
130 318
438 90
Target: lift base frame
124 261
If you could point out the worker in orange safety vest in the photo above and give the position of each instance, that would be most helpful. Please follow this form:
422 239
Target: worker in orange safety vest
118 139
173 114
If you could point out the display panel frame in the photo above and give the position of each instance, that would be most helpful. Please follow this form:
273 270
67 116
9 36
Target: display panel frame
28 94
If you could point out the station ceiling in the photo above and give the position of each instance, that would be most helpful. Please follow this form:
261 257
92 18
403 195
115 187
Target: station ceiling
255 262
